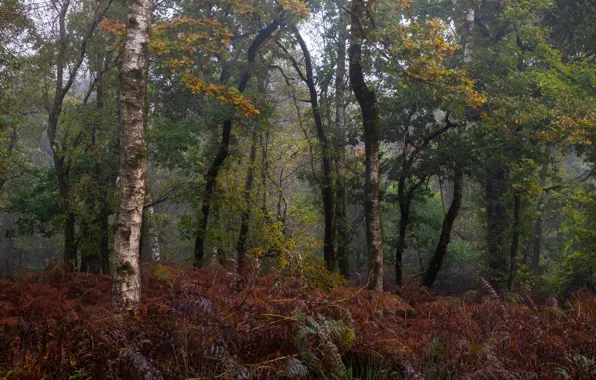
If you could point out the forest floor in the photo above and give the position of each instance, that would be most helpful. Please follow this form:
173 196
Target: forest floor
210 323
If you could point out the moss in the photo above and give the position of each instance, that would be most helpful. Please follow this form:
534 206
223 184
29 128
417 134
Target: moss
127 267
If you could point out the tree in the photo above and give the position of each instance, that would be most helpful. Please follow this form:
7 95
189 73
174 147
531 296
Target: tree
533 104
437 260
458 173
367 99
223 150
54 108
133 156
13 24
326 182
341 222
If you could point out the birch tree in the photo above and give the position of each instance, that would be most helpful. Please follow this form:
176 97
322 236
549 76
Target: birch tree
133 156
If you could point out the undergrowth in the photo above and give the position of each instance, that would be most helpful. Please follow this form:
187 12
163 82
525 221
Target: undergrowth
210 323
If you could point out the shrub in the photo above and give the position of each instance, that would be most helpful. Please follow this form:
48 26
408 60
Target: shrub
318 276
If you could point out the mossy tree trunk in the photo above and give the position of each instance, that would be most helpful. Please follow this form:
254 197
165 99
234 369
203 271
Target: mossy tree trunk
367 99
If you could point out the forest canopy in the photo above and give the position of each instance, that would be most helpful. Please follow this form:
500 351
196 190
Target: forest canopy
459 134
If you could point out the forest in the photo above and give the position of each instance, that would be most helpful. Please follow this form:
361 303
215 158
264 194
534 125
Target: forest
297 189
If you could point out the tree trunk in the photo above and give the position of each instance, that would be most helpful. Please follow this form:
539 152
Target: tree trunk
87 259
496 222
62 176
367 100
133 156
437 261
101 196
149 245
223 149
112 178
104 241
404 218
152 236
514 241
327 181
537 246
70 251
341 222
264 170
91 258
469 36
248 185
55 110
458 181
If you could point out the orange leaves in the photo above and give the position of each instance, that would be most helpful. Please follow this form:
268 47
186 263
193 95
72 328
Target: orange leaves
577 129
242 7
117 29
183 37
421 52
584 128
234 97
295 6
221 93
188 35
113 27
247 7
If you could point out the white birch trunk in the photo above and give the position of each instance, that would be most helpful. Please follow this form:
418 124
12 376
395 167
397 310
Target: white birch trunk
133 156
469 38
152 235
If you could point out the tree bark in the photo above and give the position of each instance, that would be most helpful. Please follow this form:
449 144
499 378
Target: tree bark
101 196
514 241
264 170
496 221
444 238
149 245
326 184
248 185
341 222
469 36
54 112
91 259
537 244
367 100
223 150
152 236
88 255
104 241
133 156
112 178
404 201
70 246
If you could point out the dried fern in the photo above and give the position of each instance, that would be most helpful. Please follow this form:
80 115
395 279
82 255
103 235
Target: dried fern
295 368
553 303
140 364
320 343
